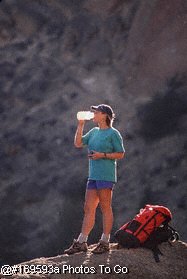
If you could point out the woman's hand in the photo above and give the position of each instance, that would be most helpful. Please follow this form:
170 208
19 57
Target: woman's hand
96 155
112 156
81 122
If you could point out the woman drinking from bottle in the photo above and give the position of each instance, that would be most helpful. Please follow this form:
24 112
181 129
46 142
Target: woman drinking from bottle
105 147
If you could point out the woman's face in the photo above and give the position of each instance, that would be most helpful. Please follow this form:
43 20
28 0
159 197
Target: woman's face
99 116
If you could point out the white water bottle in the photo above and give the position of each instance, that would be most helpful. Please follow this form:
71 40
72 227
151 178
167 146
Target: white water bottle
85 115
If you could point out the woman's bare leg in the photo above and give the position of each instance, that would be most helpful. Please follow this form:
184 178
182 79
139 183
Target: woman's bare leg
90 205
105 200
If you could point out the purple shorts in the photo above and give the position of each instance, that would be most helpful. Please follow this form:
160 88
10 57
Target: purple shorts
99 184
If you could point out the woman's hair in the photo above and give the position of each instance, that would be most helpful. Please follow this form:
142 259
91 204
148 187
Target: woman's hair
109 121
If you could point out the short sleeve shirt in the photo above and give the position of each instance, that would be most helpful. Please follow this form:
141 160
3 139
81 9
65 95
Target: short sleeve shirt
103 140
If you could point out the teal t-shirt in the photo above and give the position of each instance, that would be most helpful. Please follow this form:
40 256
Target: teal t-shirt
103 140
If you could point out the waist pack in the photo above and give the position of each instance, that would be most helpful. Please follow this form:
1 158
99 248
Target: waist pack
148 229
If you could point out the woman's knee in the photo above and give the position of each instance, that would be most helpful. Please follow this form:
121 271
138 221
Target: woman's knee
106 208
89 209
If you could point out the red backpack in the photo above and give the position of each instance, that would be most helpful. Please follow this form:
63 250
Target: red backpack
148 229
144 223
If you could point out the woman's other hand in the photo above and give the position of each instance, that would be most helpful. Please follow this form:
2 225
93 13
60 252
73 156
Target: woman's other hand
96 155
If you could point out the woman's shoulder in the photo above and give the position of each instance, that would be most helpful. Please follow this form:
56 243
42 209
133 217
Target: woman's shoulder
94 129
114 130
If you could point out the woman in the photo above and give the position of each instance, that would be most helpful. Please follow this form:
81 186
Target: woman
105 146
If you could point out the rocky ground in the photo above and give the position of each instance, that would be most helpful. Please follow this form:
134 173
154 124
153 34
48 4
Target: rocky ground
58 57
123 263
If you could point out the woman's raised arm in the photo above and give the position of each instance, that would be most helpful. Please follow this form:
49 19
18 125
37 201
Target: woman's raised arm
79 134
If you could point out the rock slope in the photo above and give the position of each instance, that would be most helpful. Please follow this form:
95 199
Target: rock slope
123 263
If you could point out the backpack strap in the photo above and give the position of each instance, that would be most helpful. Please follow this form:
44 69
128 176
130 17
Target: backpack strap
142 229
175 234
156 252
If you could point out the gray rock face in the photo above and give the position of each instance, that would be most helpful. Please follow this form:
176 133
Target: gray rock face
59 57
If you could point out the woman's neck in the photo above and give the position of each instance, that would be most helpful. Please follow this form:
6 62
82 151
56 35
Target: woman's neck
103 125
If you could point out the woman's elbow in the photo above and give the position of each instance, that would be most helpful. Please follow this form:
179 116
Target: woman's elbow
122 155
78 145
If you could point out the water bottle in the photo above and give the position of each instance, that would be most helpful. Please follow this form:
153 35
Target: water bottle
85 115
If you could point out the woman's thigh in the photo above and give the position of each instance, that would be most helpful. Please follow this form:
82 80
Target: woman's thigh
105 198
91 199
